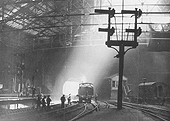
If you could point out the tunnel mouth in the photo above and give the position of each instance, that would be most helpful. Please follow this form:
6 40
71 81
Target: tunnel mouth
70 87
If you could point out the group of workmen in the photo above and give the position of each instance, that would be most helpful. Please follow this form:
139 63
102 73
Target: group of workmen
43 102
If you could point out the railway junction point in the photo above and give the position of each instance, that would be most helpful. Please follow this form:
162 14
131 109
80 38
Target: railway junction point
113 114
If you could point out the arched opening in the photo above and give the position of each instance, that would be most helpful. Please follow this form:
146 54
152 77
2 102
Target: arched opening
70 87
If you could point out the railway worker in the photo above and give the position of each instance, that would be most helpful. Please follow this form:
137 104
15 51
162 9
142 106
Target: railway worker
69 99
27 93
38 101
41 94
96 97
33 91
63 99
48 100
43 102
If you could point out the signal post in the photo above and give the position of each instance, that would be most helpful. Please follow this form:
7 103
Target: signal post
122 44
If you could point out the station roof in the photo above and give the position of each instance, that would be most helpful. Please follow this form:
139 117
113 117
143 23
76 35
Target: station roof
61 23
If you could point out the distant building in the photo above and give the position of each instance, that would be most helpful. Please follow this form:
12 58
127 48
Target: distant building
109 87
114 85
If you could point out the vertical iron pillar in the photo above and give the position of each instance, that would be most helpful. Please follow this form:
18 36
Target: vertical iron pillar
121 63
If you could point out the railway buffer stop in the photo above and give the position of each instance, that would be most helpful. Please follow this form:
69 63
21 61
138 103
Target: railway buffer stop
121 43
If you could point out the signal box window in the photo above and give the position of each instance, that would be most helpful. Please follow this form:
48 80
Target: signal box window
113 84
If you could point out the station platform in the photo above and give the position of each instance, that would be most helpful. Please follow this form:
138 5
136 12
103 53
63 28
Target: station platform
113 114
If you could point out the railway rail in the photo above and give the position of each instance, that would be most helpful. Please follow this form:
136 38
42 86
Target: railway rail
69 113
56 112
158 113
79 110
88 109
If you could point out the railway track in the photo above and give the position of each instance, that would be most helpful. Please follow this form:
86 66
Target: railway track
158 113
36 115
88 109
70 113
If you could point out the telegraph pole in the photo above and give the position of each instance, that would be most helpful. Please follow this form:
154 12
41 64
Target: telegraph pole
121 43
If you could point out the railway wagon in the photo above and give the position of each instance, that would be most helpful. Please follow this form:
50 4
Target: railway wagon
85 92
152 92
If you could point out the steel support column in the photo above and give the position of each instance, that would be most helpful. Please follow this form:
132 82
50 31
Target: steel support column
121 65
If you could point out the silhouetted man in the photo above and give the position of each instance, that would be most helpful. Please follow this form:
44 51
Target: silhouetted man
48 100
33 91
43 102
69 99
63 99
